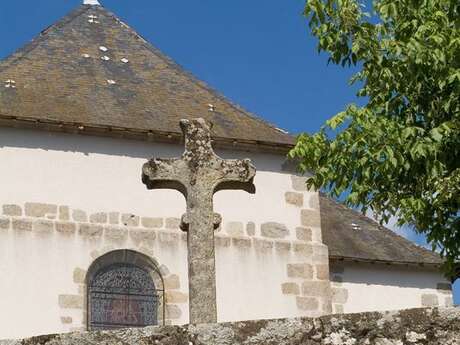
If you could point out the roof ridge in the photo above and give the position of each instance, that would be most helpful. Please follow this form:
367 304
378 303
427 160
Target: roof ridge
22 51
176 66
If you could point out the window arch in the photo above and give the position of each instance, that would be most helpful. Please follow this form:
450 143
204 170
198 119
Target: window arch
124 289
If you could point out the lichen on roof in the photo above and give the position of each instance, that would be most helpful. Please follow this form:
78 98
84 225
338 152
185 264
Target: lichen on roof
351 235
63 76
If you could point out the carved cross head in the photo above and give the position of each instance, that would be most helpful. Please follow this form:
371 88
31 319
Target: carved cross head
199 169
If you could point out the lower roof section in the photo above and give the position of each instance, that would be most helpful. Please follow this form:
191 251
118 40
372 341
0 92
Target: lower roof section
351 236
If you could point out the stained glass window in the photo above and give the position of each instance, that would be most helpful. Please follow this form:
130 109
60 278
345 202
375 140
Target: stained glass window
121 296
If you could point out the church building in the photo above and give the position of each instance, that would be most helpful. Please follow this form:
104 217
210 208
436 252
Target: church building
85 245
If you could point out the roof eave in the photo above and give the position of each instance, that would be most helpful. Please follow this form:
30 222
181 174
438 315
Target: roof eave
139 134
432 265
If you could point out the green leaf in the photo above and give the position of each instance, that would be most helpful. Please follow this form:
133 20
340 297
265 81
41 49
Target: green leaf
399 151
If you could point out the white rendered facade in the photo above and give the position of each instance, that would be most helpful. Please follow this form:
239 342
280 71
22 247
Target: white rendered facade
270 259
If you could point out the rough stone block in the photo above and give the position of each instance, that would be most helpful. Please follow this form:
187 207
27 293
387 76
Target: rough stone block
293 198
234 228
71 301
304 234
274 230
408 327
79 276
12 210
304 271
94 254
326 308
310 218
322 272
430 300
146 250
130 220
222 241
66 320
251 229
82 289
320 249
66 228
172 223
164 271
33 209
313 201
114 218
339 295
22 225
4 223
307 303
263 245
241 242
148 222
338 308
303 249
43 226
173 312
172 282
64 213
290 289
283 246
90 230
169 237
445 288
316 288
100 217
139 236
449 302
79 216
176 297
116 233
299 183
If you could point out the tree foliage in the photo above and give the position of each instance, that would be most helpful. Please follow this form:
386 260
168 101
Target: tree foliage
399 154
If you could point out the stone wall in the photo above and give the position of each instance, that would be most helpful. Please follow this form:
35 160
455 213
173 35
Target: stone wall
360 287
85 198
408 327
264 269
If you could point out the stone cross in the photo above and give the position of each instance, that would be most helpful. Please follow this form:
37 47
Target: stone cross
198 174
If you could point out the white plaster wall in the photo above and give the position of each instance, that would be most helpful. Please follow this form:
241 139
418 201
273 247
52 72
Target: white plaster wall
383 287
37 268
103 175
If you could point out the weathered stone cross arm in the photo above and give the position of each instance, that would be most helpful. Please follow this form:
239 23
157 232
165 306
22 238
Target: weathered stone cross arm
198 174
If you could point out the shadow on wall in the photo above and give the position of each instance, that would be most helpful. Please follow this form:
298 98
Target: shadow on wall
457 292
88 144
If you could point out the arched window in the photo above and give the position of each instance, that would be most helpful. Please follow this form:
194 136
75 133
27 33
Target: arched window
125 289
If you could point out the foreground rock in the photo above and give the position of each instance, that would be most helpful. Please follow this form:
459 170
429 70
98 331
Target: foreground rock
408 327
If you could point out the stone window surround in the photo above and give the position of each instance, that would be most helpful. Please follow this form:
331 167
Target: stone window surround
127 256
170 284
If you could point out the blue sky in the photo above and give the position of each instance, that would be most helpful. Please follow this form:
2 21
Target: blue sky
258 53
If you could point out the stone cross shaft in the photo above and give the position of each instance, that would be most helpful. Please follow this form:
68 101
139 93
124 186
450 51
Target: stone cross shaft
198 174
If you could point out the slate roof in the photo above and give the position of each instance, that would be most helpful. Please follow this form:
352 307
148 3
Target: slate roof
92 73
351 235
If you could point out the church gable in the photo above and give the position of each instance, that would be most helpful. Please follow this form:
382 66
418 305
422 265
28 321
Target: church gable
90 72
